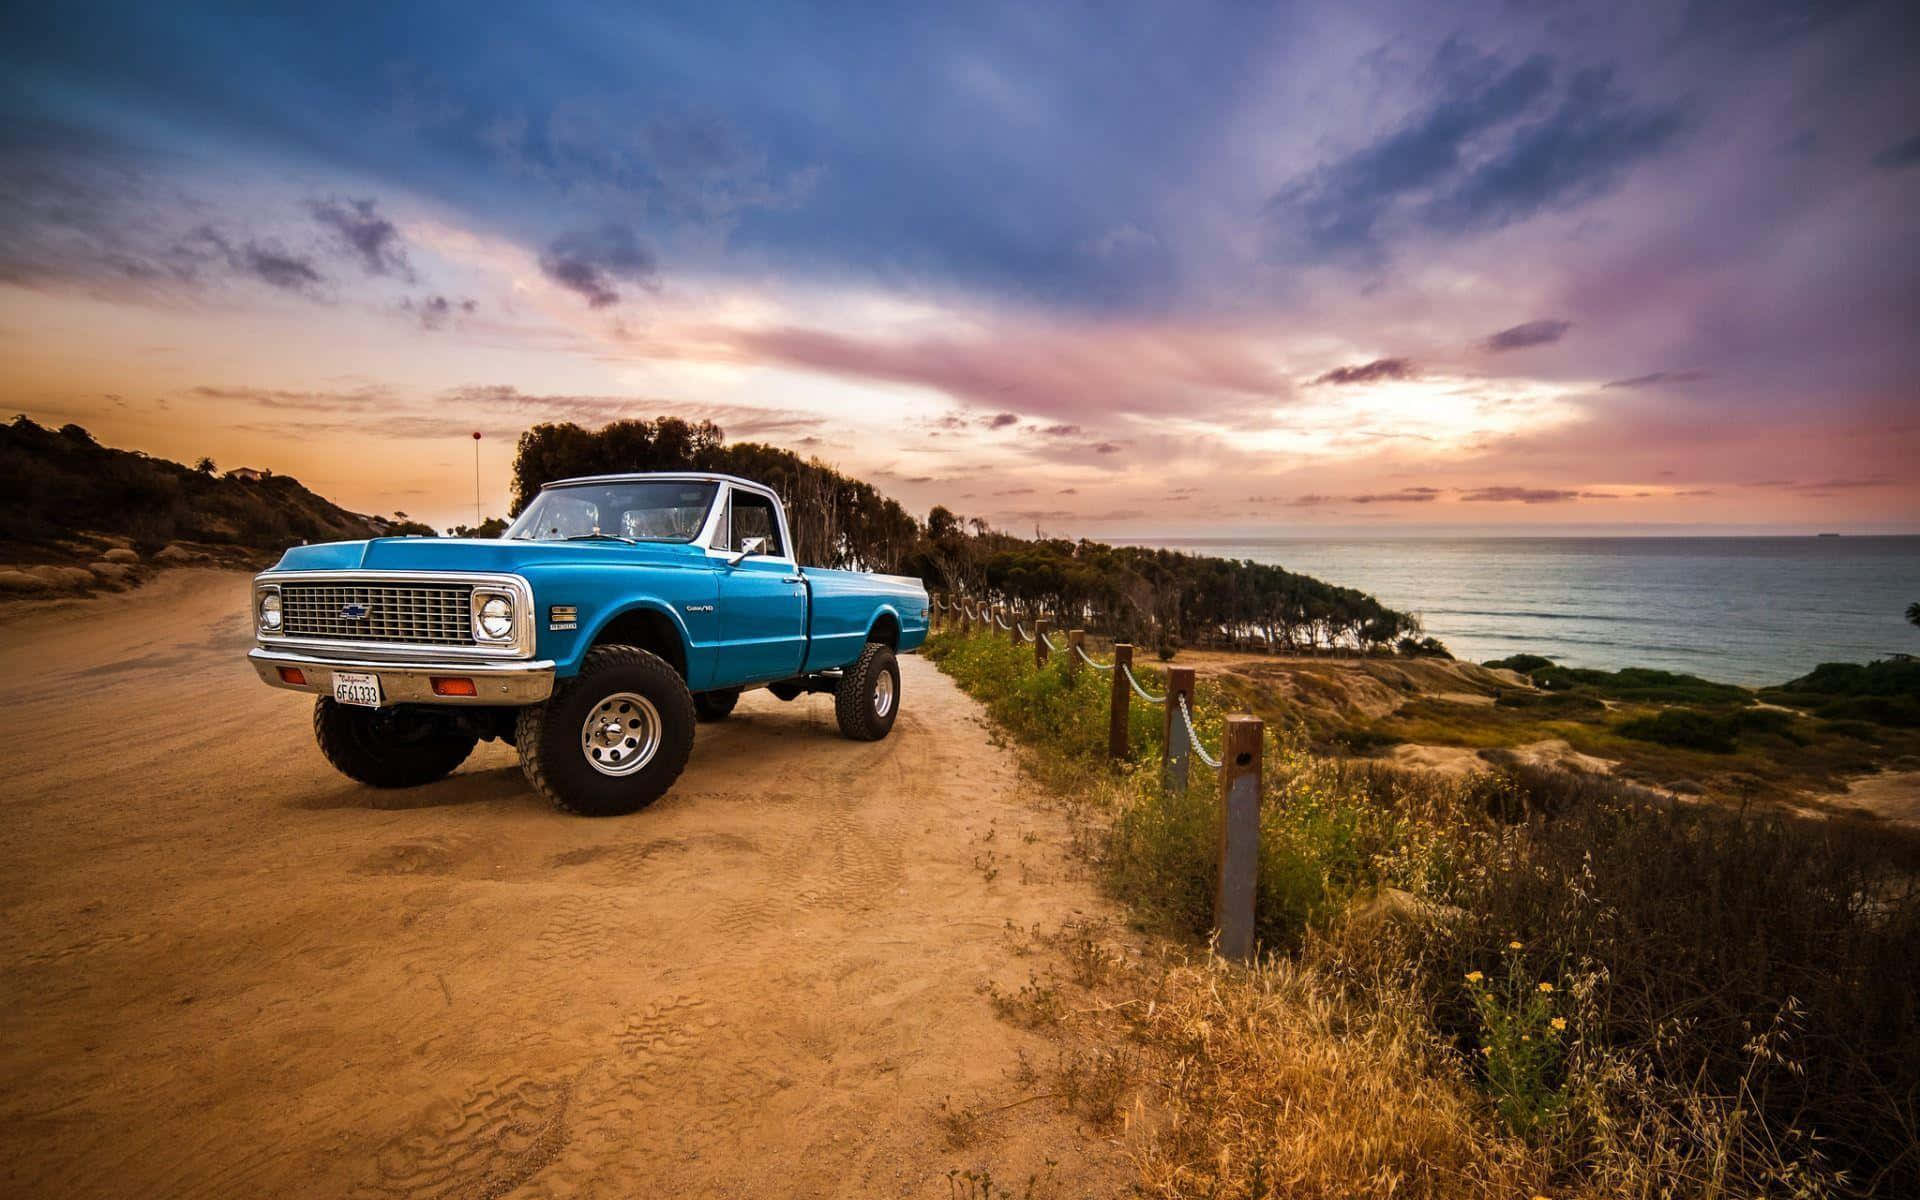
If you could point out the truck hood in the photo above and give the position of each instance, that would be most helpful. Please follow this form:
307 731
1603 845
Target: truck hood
477 554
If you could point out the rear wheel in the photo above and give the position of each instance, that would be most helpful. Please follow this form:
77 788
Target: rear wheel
387 747
715 706
612 739
868 697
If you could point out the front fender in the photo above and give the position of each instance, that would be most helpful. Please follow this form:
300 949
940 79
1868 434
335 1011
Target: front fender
602 596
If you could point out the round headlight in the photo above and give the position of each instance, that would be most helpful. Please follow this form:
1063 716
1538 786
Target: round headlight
496 617
270 611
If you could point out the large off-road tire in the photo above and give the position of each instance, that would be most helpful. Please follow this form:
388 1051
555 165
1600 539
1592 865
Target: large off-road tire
868 697
715 706
385 747
612 739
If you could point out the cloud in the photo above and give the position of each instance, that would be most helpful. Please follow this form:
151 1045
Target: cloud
365 234
1657 378
1476 158
1409 495
1372 372
1066 373
1059 430
498 410
435 311
1339 207
1573 155
266 261
1522 495
358 400
1900 155
1534 333
1000 420
591 262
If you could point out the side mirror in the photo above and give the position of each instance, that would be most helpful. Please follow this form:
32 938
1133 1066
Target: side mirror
752 545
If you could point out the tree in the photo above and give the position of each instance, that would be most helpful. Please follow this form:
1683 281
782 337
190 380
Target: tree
1913 613
205 466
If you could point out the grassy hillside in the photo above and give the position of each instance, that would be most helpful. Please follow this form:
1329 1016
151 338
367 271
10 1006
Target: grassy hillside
58 483
1512 983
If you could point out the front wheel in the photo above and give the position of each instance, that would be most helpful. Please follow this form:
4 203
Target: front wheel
385 747
612 739
868 697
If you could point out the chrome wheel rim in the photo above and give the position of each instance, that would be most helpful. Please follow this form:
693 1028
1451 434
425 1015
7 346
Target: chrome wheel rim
883 694
621 734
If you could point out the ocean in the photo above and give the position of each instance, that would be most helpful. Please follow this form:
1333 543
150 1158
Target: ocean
1749 610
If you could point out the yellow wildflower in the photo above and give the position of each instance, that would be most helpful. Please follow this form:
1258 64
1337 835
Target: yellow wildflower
1559 1024
1546 987
1513 945
1474 977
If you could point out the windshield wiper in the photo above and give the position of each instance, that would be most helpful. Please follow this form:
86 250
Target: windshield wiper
587 537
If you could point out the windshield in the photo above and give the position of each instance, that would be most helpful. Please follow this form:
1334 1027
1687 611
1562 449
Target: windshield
661 510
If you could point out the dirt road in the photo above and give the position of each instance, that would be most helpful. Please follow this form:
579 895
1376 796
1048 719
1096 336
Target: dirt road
230 972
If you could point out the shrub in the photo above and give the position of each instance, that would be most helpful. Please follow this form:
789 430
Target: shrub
1685 728
1526 664
1643 684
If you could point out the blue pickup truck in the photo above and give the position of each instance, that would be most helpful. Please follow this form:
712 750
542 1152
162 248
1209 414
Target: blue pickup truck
612 615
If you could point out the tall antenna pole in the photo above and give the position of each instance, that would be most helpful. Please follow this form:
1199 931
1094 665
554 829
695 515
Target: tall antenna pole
477 518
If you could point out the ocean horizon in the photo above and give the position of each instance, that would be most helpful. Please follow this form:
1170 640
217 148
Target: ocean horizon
1748 609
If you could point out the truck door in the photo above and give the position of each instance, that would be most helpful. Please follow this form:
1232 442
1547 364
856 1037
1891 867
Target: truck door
763 601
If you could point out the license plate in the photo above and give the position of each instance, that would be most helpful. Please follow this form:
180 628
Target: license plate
363 690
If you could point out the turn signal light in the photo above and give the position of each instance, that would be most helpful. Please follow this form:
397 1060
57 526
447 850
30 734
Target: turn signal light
444 686
294 676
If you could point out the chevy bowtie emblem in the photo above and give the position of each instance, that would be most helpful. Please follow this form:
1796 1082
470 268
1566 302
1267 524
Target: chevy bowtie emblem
353 612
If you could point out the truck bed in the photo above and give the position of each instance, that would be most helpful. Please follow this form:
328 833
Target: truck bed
845 604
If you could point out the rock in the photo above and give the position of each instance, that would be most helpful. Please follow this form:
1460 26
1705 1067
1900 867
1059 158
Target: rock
174 554
63 578
121 554
20 583
117 574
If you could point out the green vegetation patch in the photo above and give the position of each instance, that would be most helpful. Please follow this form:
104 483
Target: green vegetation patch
1886 692
1641 684
1526 664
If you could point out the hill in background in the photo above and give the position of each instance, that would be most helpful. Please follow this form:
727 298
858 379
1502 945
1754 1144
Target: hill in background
76 514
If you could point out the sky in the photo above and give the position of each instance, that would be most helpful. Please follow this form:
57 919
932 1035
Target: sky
1107 270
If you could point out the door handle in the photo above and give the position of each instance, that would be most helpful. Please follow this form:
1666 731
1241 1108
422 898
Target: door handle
792 579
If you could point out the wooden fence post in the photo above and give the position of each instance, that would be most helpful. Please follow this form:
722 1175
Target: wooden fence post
966 617
1239 838
1117 719
1013 624
1076 642
1040 642
1174 747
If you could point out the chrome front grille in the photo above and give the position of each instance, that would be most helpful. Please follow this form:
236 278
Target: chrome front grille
424 614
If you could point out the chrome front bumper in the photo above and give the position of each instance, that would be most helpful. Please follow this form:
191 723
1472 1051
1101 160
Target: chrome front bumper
505 682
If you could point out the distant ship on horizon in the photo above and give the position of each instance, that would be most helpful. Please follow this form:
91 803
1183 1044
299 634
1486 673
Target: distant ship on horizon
1826 535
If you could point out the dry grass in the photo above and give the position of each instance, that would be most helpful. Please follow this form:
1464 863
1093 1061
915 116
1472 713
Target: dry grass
1702 1003
1275 1086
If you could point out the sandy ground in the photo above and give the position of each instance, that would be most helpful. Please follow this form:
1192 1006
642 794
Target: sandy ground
1893 795
231 972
